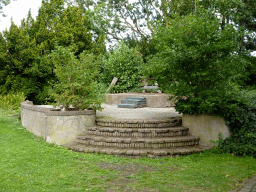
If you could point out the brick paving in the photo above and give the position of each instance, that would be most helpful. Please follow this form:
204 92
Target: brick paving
250 186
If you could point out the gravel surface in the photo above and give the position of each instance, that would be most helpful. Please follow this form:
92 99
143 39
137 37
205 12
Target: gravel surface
137 113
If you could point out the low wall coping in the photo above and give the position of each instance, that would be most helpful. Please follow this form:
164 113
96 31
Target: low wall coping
51 111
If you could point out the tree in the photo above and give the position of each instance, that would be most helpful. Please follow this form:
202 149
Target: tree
117 17
20 54
125 64
27 47
76 79
197 62
3 62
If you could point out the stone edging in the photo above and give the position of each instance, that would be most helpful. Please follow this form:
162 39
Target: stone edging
50 112
250 186
139 123
142 121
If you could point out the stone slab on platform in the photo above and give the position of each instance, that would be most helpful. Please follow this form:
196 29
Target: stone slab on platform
127 105
154 100
137 98
133 102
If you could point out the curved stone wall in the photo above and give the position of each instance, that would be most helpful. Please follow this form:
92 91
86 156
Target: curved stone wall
207 127
59 127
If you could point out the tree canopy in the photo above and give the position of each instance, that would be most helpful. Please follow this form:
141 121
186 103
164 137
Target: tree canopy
197 61
25 49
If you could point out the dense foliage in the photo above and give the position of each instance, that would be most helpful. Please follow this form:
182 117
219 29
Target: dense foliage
125 64
203 60
24 50
11 101
197 62
240 117
76 79
204 66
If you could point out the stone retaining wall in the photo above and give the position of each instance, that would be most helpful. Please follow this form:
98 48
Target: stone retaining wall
207 127
59 127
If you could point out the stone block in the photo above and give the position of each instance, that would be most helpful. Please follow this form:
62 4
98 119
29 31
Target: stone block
127 105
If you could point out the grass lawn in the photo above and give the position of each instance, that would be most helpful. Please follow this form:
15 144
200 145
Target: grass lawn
27 163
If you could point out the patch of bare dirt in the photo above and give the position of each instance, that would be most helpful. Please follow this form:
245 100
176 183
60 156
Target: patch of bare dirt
127 169
123 183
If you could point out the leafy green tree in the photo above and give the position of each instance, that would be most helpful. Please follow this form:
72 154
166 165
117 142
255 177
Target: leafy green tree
20 54
125 64
76 79
115 17
3 63
26 66
197 62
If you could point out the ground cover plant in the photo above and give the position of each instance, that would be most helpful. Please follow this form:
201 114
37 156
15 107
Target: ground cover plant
28 163
11 101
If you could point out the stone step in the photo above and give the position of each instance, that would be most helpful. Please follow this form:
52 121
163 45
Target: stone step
137 153
126 142
135 132
137 102
128 105
129 101
139 123
151 87
137 98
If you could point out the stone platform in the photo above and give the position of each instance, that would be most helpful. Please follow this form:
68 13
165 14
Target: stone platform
154 100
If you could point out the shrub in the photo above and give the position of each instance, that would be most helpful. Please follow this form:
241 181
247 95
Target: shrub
11 101
76 79
196 61
240 117
125 64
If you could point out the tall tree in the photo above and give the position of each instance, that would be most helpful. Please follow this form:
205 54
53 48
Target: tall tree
27 66
3 62
197 62
117 17
21 52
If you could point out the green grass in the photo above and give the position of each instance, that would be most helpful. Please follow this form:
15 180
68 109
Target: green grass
27 163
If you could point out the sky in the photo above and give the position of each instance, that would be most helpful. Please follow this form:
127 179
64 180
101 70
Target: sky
18 10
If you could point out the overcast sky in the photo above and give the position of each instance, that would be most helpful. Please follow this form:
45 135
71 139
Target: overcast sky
17 10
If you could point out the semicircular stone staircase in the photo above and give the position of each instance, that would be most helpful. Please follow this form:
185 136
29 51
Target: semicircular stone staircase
132 138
